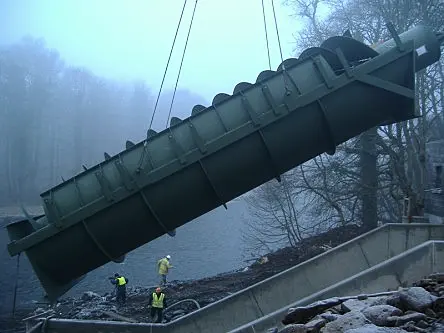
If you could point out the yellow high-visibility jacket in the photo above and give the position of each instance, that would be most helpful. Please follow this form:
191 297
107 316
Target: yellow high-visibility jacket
158 300
121 281
163 265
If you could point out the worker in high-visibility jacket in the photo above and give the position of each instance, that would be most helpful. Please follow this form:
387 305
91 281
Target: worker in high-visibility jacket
157 302
163 265
120 282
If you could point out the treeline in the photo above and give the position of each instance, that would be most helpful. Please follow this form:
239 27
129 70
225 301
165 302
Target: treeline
55 117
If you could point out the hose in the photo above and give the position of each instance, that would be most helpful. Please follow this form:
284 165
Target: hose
182 301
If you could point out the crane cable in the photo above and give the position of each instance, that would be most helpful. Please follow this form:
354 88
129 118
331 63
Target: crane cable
266 34
285 74
168 63
277 32
181 63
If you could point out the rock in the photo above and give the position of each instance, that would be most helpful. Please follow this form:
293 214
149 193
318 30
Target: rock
315 325
358 305
438 277
430 313
394 300
401 320
294 328
89 296
438 304
410 327
371 328
416 298
422 324
328 316
352 319
303 314
378 314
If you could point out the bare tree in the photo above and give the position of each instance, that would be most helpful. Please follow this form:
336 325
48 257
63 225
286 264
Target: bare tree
368 177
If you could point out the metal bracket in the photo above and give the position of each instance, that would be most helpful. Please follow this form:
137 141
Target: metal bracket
197 138
124 175
177 149
293 83
104 185
344 63
53 210
320 68
386 85
251 113
79 195
220 118
270 100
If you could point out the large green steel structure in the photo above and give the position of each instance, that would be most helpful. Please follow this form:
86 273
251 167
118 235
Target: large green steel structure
307 107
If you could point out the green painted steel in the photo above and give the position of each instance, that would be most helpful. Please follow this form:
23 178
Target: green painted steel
307 107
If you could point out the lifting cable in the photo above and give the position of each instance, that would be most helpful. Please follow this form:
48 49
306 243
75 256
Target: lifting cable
277 33
266 34
181 63
168 62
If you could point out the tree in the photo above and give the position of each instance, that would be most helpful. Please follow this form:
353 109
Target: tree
55 118
365 181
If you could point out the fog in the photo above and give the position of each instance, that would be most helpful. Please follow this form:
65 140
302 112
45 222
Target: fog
78 78
132 40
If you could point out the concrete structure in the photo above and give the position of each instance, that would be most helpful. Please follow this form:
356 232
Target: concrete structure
311 277
402 269
434 198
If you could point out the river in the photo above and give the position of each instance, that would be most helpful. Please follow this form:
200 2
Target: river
206 246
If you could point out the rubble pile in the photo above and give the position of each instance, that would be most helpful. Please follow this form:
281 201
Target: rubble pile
416 309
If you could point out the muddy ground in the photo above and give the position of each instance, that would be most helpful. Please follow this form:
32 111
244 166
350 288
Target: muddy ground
204 291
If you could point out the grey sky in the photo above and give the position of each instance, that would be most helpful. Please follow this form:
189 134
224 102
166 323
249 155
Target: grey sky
132 39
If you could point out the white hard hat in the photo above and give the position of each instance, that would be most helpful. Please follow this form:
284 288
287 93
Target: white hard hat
168 257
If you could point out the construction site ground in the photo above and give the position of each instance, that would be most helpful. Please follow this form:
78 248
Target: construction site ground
205 291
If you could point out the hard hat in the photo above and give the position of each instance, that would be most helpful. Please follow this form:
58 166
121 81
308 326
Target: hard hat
168 257
117 275
158 290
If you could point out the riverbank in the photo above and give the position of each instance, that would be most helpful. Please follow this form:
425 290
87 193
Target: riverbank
205 291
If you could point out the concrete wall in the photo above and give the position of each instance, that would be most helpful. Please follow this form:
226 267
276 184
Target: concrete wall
434 199
401 270
304 279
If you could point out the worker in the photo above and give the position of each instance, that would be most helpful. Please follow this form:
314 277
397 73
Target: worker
163 266
157 302
120 282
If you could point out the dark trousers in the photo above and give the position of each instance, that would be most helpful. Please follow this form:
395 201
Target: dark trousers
158 312
121 295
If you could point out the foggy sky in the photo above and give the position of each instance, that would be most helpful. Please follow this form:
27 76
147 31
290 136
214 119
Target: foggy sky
132 39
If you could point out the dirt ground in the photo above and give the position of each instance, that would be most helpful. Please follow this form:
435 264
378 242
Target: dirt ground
204 291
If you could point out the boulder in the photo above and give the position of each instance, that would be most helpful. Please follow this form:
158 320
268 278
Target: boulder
294 328
378 314
371 328
352 319
401 320
89 296
416 299
315 325
359 305
303 314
